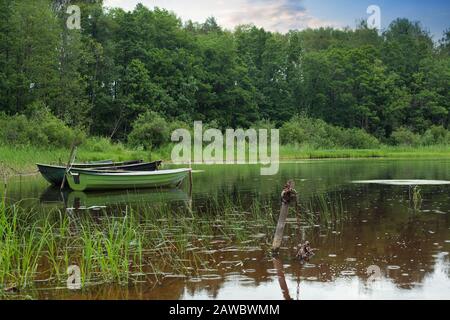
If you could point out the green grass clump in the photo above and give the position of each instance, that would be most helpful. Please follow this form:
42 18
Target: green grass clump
144 242
22 159
295 152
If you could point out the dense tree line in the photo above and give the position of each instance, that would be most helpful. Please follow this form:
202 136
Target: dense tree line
122 65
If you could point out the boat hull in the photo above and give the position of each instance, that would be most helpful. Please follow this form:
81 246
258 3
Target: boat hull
85 181
55 174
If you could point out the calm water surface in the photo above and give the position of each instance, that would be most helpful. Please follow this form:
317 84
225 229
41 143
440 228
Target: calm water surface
405 252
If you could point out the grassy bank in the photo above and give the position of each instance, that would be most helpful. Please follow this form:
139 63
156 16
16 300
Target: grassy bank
296 153
23 159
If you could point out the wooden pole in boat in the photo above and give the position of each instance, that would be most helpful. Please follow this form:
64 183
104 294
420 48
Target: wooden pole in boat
287 195
190 179
69 164
190 182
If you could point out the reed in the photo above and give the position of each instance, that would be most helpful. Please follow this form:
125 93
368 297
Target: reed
324 209
148 241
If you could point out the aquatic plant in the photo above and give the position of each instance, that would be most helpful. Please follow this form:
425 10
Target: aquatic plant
145 242
324 209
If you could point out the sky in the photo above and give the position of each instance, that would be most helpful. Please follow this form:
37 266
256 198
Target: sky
283 15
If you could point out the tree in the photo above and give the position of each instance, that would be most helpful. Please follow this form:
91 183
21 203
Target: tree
406 45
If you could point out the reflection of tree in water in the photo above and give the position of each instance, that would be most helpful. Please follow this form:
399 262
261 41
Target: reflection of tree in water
385 233
380 231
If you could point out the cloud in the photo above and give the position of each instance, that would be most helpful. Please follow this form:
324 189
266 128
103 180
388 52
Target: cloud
278 15
273 15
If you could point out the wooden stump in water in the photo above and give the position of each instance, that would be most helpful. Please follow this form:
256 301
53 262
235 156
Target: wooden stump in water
287 196
278 265
304 251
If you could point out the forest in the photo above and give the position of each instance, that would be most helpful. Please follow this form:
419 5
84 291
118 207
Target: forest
133 76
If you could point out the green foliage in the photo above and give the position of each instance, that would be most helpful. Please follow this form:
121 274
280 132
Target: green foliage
42 129
109 76
358 139
102 144
405 137
150 130
315 133
436 135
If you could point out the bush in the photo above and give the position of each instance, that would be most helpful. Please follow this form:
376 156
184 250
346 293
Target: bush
57 132
41 128
177 124
436 135
264 124
405 137
317 134
150 130
358 139
102 144
305 131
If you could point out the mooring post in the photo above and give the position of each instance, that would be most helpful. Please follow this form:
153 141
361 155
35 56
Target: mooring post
287 195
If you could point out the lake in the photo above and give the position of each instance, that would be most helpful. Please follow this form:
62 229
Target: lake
379 240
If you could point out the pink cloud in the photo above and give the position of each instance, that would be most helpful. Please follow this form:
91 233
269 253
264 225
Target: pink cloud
273 15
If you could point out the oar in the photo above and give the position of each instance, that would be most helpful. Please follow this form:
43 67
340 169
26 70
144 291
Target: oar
69 163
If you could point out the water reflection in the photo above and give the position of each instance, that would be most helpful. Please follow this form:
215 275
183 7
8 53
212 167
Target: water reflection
409 247
85 200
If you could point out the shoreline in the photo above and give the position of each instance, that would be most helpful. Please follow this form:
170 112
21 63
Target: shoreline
22 160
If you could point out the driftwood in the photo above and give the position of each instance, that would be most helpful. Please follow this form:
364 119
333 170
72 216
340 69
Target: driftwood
287 196
305 251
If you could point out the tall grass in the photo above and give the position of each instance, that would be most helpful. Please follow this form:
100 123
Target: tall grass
21 247
325 210
147 241
24 158
293 152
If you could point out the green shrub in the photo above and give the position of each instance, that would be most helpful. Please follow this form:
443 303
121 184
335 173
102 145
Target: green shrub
405 137
317 134
305 131
18 130
177 124
57 132
40 128
102 144
358 139
264 124
436 135
150 130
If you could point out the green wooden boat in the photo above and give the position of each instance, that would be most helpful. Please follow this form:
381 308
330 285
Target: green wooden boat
97 180
55 174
